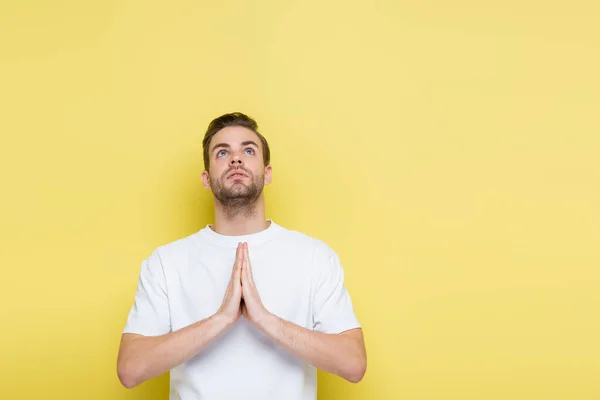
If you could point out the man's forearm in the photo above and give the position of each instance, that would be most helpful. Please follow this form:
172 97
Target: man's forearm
145 357
338 354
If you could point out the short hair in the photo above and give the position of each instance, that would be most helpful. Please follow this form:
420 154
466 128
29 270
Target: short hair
233 119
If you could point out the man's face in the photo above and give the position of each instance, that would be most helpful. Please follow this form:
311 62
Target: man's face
237 173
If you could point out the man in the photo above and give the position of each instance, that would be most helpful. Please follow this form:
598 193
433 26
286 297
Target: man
243 308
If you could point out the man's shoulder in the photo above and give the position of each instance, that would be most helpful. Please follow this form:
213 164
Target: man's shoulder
298 237
177 246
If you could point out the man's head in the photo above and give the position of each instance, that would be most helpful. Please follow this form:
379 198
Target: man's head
236 160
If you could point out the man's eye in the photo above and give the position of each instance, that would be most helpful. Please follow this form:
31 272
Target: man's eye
221 153
250 151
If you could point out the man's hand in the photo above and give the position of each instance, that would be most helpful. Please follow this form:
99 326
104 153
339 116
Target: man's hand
145 357
252 307
231 307
342 354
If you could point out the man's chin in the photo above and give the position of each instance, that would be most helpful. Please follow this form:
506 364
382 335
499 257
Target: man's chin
238 183
237 194
239 190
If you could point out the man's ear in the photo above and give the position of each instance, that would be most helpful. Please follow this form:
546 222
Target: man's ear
205 180
268 172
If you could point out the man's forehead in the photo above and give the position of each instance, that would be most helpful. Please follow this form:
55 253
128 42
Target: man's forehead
234 135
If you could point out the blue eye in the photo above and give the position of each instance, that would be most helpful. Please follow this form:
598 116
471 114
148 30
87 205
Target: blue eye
250 150
221 153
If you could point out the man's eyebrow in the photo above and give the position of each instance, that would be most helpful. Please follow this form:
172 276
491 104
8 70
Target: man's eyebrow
220 145
227 146
249 142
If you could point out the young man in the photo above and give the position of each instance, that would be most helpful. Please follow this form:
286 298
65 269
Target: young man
244 308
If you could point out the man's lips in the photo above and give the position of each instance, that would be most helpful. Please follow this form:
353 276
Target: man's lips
236 175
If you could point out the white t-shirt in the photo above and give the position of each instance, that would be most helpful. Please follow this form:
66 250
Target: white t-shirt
299 279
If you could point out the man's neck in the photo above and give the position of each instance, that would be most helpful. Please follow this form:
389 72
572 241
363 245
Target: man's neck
240 221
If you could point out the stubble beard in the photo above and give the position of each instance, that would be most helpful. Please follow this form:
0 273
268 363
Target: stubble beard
238 198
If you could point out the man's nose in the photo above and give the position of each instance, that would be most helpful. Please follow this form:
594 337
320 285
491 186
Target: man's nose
236 160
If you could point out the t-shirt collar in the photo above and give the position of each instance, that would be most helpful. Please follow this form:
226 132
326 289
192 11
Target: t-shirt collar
253 239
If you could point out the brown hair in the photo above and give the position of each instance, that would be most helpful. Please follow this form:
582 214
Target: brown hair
233 119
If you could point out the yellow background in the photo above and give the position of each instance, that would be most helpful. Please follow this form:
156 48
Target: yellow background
448 150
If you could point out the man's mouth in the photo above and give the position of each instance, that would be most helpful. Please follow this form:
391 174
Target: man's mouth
237 175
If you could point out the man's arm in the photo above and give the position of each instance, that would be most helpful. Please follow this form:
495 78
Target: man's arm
342 354
145 357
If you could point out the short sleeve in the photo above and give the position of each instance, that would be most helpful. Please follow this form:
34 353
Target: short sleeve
333 311
149 315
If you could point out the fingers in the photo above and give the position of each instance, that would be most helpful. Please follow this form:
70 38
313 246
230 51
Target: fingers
237 266
244 272
248 264
238 254
243 268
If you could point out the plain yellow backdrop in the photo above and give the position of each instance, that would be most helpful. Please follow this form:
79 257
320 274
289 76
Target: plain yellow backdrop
448 151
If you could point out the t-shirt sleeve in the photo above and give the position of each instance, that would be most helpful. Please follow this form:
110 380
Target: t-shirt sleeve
149 315
333 311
